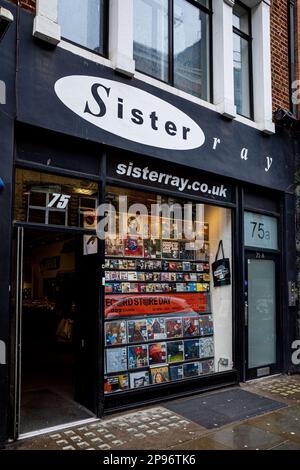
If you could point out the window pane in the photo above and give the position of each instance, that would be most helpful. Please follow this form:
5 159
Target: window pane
191 49
241 18
165 318
82 21
52 199
150 46
262 313
241 75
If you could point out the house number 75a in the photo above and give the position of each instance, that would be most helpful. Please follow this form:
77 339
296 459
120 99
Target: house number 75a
60 201
259 231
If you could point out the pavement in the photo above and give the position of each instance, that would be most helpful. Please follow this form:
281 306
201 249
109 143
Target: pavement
159 428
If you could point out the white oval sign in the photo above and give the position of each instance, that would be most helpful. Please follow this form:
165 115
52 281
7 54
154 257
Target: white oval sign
129 112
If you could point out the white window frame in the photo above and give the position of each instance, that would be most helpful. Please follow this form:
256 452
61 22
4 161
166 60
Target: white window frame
120 53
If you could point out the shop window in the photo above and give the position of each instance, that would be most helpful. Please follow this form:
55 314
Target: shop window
83 22
47 199
242 60
172 43
165 321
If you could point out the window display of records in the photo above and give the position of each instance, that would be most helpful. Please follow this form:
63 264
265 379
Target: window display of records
150 343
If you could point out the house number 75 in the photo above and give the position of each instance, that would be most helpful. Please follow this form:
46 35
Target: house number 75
60 201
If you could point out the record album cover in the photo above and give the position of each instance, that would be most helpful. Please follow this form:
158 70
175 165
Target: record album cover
115 333
156 329
206 325
207 367
173 327
175 351
139 379
176 372
206 347
114 247
116 360
159 374
138 356
170 249
134 246
116 383
152 248
191 369
157 353
137 331
191 326
191 349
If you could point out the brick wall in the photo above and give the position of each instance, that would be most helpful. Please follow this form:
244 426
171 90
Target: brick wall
28 4
280 54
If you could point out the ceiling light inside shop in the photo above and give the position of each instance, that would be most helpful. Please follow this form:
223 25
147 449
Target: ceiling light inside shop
84 192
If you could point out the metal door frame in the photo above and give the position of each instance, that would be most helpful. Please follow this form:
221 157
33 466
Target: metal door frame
261 255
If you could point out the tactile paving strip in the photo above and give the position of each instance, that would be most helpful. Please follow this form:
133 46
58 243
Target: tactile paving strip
125 431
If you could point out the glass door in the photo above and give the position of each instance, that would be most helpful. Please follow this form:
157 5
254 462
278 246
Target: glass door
261 304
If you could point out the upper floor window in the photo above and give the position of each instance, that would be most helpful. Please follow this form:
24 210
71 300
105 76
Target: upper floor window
242 60
172 42
84 22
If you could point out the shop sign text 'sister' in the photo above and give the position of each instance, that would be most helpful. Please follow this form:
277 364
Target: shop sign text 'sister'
134 114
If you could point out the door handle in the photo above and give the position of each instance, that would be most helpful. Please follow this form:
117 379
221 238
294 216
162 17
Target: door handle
246 313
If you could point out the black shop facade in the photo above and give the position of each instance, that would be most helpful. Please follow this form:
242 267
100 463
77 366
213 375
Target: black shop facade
152 245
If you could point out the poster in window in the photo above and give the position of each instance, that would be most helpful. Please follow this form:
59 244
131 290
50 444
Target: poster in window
156 304
174 327
170 249
206 347
190 326
134 246
190 369
116 360
137 331
156 329
115 333
157 353
191 349
159 374
176 372
90 219
139 379
116 383
90 245
175 351
138 356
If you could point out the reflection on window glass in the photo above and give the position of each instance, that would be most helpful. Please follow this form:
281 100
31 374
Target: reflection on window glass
241 60
241 19
165 321
191 49
188 66
151 37
241 75
82 22
55 200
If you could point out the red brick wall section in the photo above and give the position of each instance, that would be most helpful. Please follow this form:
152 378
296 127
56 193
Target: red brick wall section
280 54
28 4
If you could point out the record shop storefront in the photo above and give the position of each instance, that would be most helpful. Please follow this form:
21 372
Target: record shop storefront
152 245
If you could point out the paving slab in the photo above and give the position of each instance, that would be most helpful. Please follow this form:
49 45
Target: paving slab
285 423
246 437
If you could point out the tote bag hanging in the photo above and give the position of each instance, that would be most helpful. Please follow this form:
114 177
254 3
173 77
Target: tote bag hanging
221 268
